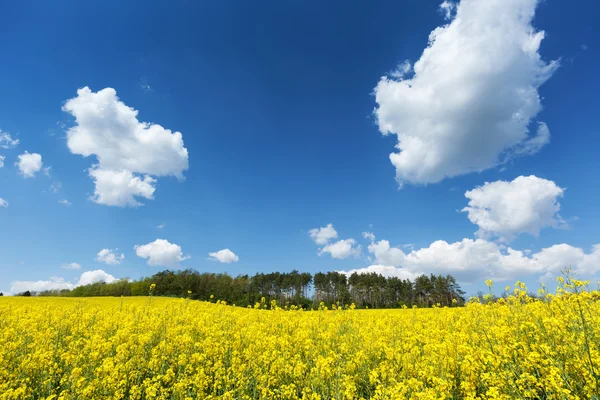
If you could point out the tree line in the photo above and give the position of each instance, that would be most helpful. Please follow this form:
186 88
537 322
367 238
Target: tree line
302 289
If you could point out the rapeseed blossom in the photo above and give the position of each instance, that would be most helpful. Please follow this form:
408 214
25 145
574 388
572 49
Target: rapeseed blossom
130 348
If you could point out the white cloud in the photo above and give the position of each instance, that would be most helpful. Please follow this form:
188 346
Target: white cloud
58 283
65 202
385 270
97 275
54 283
120 188
2 161
385 254
224 256
161 253
111 257
341 249
473 94
161 226
447 7
71 266
29 164
6 141
473 260
3 203
504 209
129 152
323 235
369 236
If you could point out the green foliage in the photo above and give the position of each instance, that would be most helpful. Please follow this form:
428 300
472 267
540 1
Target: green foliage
293 288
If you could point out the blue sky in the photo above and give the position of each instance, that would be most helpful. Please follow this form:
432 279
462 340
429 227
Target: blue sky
281 108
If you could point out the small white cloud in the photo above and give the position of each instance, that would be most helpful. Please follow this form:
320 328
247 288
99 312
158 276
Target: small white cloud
6 141
224 256
47 170
130 153
584 47
341 249
111 257
3 203
29 164
369 236
2 161
505 209
55 187
65 202
161 253
71 266
161 226
323 235
447 8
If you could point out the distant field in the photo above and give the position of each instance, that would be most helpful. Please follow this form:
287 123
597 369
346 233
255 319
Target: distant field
141 348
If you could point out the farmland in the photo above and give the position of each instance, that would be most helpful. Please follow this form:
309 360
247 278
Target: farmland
162 348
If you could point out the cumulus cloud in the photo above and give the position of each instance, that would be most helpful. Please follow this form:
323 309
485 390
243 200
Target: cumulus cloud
58 283
224 256
71 266
161 253
29 164
130 153
472 95
97 275
3 203
6 141
111 257
504 209
323 235
473 260
341 249
120 188
54 283
369 236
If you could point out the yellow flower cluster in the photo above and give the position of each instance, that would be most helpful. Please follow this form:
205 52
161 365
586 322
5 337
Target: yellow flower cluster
132 348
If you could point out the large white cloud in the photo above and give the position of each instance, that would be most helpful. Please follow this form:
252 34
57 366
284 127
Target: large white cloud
58 283
323 234
473 260
341 249
6 141
472 96
29 164
129 152
161 253
3 203
224 256
110 256
504 209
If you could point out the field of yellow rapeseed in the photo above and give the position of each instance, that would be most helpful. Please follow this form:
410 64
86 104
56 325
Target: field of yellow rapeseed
158 348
